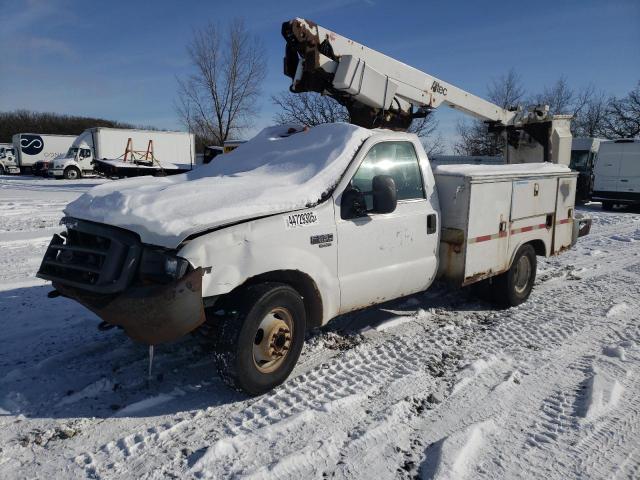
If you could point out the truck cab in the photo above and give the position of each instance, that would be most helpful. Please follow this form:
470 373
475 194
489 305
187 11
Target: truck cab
76 163
8 161
583 154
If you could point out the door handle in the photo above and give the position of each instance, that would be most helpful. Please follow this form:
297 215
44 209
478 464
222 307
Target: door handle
431 223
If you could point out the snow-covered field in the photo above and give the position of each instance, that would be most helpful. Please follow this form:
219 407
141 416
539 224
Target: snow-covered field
438 385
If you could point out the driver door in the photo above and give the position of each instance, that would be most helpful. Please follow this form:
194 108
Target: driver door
85 158
385 256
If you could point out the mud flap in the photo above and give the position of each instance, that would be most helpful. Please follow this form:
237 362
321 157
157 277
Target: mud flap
149 314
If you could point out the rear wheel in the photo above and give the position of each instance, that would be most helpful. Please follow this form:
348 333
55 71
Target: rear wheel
608 206
260 342
71 173
514 286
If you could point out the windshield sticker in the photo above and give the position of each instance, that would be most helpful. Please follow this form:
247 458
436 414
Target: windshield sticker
296 220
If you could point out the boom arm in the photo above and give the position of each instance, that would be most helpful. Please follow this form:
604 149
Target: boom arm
379 91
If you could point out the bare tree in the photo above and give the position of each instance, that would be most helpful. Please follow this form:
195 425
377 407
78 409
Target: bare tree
308 108
313 109
623 116
506 90
473 136
218 100
427 129
559 97
591 118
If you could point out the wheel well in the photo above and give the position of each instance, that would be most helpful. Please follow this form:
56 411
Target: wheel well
538 247
301 282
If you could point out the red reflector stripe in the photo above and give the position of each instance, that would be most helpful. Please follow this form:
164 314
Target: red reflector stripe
514 231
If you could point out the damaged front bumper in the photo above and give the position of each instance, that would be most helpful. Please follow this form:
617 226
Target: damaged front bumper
150 314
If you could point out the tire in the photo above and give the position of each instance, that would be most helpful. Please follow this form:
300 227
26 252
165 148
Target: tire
71 173
2 170
608 206
514 286
259 344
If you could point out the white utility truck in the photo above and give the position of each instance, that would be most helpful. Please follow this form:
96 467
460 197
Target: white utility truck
32 148
8 159
121 152
617 173
299 225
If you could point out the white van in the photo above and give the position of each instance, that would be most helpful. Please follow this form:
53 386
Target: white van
617 174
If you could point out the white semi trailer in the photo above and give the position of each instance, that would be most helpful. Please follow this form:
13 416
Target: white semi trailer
37 148
123 152
300 225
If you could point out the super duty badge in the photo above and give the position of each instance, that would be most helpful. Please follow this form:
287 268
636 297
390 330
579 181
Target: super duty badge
296 220
322 241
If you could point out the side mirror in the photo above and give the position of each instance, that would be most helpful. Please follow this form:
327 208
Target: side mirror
353 204
385 194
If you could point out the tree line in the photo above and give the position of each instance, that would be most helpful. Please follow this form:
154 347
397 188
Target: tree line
26 121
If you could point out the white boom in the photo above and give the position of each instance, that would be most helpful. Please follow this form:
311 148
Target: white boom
379 91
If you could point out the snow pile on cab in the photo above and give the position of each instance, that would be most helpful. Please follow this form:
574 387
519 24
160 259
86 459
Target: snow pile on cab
276 171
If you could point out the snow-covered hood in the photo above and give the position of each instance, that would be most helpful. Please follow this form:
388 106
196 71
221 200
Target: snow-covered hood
274 172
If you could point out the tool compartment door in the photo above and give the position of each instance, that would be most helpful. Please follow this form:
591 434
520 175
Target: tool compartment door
533 207
565 204
488 232
533 197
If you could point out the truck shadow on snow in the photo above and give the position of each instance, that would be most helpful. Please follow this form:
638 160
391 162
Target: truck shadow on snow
55 363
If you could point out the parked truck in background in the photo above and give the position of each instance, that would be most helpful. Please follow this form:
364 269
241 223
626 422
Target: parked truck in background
35 147
123 152
583 154
8 159
617 173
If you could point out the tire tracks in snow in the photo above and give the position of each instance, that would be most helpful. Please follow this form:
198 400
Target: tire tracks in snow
547 322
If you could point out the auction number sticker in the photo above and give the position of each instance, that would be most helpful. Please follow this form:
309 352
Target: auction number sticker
296 220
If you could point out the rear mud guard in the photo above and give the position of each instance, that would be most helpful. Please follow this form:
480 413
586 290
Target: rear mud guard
149 314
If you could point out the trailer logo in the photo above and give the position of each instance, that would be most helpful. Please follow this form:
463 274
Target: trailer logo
31 144
437 88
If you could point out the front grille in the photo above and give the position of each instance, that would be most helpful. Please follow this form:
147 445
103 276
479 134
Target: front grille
92 257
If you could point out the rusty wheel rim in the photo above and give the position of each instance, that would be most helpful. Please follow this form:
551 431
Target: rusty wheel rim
272 341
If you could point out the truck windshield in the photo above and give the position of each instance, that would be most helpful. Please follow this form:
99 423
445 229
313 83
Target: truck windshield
73 151
579 160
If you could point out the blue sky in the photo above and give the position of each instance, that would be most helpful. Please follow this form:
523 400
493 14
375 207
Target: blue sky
119 60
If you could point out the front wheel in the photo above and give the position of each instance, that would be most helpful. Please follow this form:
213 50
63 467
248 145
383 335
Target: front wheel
259 343
608 206
514 286
71 173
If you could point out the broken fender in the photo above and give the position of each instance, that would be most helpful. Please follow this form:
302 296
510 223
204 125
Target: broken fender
149 314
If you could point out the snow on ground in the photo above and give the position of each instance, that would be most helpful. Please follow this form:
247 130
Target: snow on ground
438 385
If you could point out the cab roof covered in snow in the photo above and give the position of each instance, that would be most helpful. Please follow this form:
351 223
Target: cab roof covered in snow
283 168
